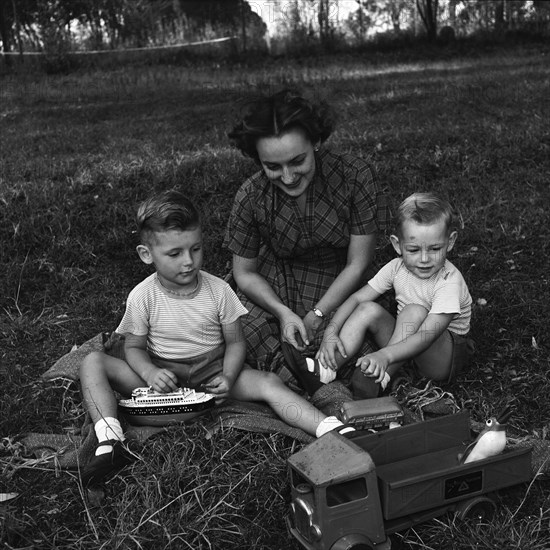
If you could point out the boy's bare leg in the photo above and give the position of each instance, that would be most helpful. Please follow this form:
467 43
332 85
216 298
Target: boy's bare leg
100 374
407 323
436 362
369 317
252 385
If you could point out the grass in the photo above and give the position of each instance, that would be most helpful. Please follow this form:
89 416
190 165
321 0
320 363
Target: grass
79 151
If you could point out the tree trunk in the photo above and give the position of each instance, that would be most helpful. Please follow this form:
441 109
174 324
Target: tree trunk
427 10
17 29
5 28
499 16
243 25
324 24
452 13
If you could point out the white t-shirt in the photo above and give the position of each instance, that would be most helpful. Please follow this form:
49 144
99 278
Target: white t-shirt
444 292
178 327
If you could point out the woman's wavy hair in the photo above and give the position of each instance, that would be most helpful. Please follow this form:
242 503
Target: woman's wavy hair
272 116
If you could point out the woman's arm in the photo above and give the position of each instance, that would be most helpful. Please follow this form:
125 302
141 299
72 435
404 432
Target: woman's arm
360 254
260 292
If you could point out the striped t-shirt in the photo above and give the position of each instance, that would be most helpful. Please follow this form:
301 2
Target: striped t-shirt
178 327
443 292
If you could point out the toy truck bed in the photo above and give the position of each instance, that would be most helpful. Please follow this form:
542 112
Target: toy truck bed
418 468
437 479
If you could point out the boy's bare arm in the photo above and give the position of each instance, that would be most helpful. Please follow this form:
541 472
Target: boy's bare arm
137 357
412 344
235 350
233 359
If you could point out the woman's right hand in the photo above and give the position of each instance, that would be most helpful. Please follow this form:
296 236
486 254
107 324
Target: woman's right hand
293 330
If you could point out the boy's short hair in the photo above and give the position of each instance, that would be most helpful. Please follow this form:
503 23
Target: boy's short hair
425 208
168 210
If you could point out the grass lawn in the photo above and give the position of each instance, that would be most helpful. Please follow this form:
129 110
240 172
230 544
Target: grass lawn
79 151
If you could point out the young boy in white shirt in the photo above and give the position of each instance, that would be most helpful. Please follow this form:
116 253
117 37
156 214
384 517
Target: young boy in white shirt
182 327
433 305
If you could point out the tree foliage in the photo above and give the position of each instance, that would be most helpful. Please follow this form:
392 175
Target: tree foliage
109 24
64 25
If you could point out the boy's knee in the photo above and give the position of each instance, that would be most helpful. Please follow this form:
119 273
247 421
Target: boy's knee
271 380
369 310
92 362
415 311
267 383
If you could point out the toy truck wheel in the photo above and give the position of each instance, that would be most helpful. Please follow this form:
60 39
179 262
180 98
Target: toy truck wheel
479 509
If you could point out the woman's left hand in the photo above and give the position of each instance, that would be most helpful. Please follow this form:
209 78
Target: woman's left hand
312 324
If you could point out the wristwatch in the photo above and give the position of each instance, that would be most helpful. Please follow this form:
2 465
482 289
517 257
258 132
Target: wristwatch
318 313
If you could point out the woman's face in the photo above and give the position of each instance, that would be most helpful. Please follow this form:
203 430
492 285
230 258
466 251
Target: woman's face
288 161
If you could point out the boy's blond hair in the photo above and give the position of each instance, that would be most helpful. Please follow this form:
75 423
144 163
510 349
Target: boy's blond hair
425 208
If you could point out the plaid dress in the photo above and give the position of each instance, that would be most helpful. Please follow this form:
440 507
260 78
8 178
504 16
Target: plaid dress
300 256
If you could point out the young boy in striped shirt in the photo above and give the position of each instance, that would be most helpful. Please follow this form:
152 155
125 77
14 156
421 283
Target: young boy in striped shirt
433 305
182 327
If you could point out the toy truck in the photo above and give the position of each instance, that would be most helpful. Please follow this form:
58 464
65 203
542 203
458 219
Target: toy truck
351 493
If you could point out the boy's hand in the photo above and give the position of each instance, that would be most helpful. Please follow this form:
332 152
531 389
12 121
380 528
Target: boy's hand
163 381
327 351
220 387
373 365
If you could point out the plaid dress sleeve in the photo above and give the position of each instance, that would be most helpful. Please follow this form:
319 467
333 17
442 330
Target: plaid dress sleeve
241 235
370 210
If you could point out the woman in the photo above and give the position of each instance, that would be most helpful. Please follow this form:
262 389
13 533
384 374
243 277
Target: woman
303 229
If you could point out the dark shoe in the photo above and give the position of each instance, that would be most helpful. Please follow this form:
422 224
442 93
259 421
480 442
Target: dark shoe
101 466
364 387
296 363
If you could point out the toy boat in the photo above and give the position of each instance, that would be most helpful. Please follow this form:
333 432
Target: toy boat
147 407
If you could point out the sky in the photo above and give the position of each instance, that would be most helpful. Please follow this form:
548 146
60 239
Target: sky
271 11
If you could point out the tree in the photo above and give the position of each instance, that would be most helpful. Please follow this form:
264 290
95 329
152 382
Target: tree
427 9
324 21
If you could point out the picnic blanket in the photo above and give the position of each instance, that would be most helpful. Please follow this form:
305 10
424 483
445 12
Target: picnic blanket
71 451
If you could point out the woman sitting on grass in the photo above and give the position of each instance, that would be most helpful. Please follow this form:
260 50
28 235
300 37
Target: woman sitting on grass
303 230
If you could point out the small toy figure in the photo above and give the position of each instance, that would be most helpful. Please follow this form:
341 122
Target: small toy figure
491 441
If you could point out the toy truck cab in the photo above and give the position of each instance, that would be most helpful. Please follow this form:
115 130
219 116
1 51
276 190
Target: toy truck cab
335 502
350 494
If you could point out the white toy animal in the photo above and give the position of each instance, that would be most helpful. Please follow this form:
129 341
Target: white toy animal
491 441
